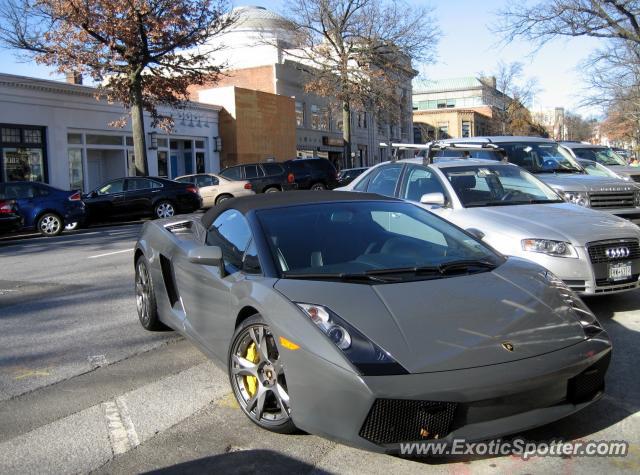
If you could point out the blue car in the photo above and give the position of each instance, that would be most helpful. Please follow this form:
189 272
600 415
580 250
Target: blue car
44 208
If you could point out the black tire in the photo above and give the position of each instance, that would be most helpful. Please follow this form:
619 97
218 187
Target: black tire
50 224
318 187
221 198
276 416
146 298
164 209
272 189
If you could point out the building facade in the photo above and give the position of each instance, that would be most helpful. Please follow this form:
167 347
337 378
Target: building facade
59 133
256 55
459 107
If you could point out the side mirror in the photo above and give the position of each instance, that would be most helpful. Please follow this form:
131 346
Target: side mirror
436 199
91 194
476 232
206 255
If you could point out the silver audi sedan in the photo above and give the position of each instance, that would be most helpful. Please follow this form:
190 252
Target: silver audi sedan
591 251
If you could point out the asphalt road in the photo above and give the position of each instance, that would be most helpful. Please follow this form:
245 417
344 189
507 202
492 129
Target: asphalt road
84 389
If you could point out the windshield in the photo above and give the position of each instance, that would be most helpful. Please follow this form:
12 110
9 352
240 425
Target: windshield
361 239
593 168
541 157
605 156
498 185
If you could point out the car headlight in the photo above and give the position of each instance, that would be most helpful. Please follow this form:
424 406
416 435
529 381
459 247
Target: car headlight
549 247
577 198
366 356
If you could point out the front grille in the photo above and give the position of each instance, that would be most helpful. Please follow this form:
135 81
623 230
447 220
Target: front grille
399 420
606 282
576 285
612 200
598 250
587 384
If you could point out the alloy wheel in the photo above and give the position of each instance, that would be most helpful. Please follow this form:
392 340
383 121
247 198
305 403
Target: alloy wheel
165 210
143 289
257 376
50 225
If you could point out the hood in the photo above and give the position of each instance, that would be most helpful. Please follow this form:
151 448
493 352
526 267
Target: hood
627 170
561 221
453 323
578 182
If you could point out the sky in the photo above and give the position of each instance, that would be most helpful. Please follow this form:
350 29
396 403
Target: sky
467 47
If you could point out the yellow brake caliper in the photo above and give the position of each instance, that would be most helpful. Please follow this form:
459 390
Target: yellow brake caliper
251 382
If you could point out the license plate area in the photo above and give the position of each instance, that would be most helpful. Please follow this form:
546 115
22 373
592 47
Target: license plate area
619 271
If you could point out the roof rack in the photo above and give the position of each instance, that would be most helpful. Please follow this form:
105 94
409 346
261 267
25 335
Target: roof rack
460 146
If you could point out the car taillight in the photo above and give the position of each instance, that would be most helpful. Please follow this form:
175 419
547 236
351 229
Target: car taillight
291 178
247 186
77 196
192 189
6 207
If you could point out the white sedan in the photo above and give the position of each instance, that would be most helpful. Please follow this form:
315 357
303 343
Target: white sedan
214 189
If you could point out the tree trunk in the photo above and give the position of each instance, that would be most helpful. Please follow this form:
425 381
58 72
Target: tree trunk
346 133
141 167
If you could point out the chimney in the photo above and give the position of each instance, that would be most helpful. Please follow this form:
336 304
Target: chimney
74 77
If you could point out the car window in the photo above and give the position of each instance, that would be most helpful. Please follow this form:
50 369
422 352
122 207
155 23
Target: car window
112 187
206 180
252 171
272 169
186 179
139 184
18 191
233 173
384 183
250 262
420 181
231 232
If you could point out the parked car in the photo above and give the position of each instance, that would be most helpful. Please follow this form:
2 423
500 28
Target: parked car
605 156
597 169
430 333
215 189
313 173
141 196
517 214
554 165
43 207
10 219
347 175
626 154
267 177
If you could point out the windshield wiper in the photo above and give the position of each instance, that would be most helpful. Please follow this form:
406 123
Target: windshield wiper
346 276
440 269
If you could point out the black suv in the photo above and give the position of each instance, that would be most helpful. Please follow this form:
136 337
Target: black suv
264 177
313 173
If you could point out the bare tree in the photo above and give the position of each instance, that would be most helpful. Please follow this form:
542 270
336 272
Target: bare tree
360 52
518 93
141 53
545 20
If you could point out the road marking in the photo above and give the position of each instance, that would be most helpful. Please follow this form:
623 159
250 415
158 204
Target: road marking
29 373
122 433
109 253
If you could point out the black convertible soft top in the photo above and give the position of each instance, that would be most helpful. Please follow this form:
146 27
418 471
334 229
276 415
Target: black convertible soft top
284 199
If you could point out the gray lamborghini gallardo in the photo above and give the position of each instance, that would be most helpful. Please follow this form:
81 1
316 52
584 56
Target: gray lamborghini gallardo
369 320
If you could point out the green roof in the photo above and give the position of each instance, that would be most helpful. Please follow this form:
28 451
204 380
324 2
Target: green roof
450 84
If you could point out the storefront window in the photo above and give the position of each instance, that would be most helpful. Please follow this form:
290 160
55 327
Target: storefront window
164 143
75 169
199 162
23 164
162 164
74 139
10 135
104 139
200 144
300 114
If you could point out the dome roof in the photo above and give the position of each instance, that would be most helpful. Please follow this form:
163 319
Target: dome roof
259 18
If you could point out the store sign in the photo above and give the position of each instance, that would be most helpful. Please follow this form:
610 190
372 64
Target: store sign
332 142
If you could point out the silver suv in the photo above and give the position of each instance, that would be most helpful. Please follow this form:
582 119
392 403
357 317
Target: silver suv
605 156
557 167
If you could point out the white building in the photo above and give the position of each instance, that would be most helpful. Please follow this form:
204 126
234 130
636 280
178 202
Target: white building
59 133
